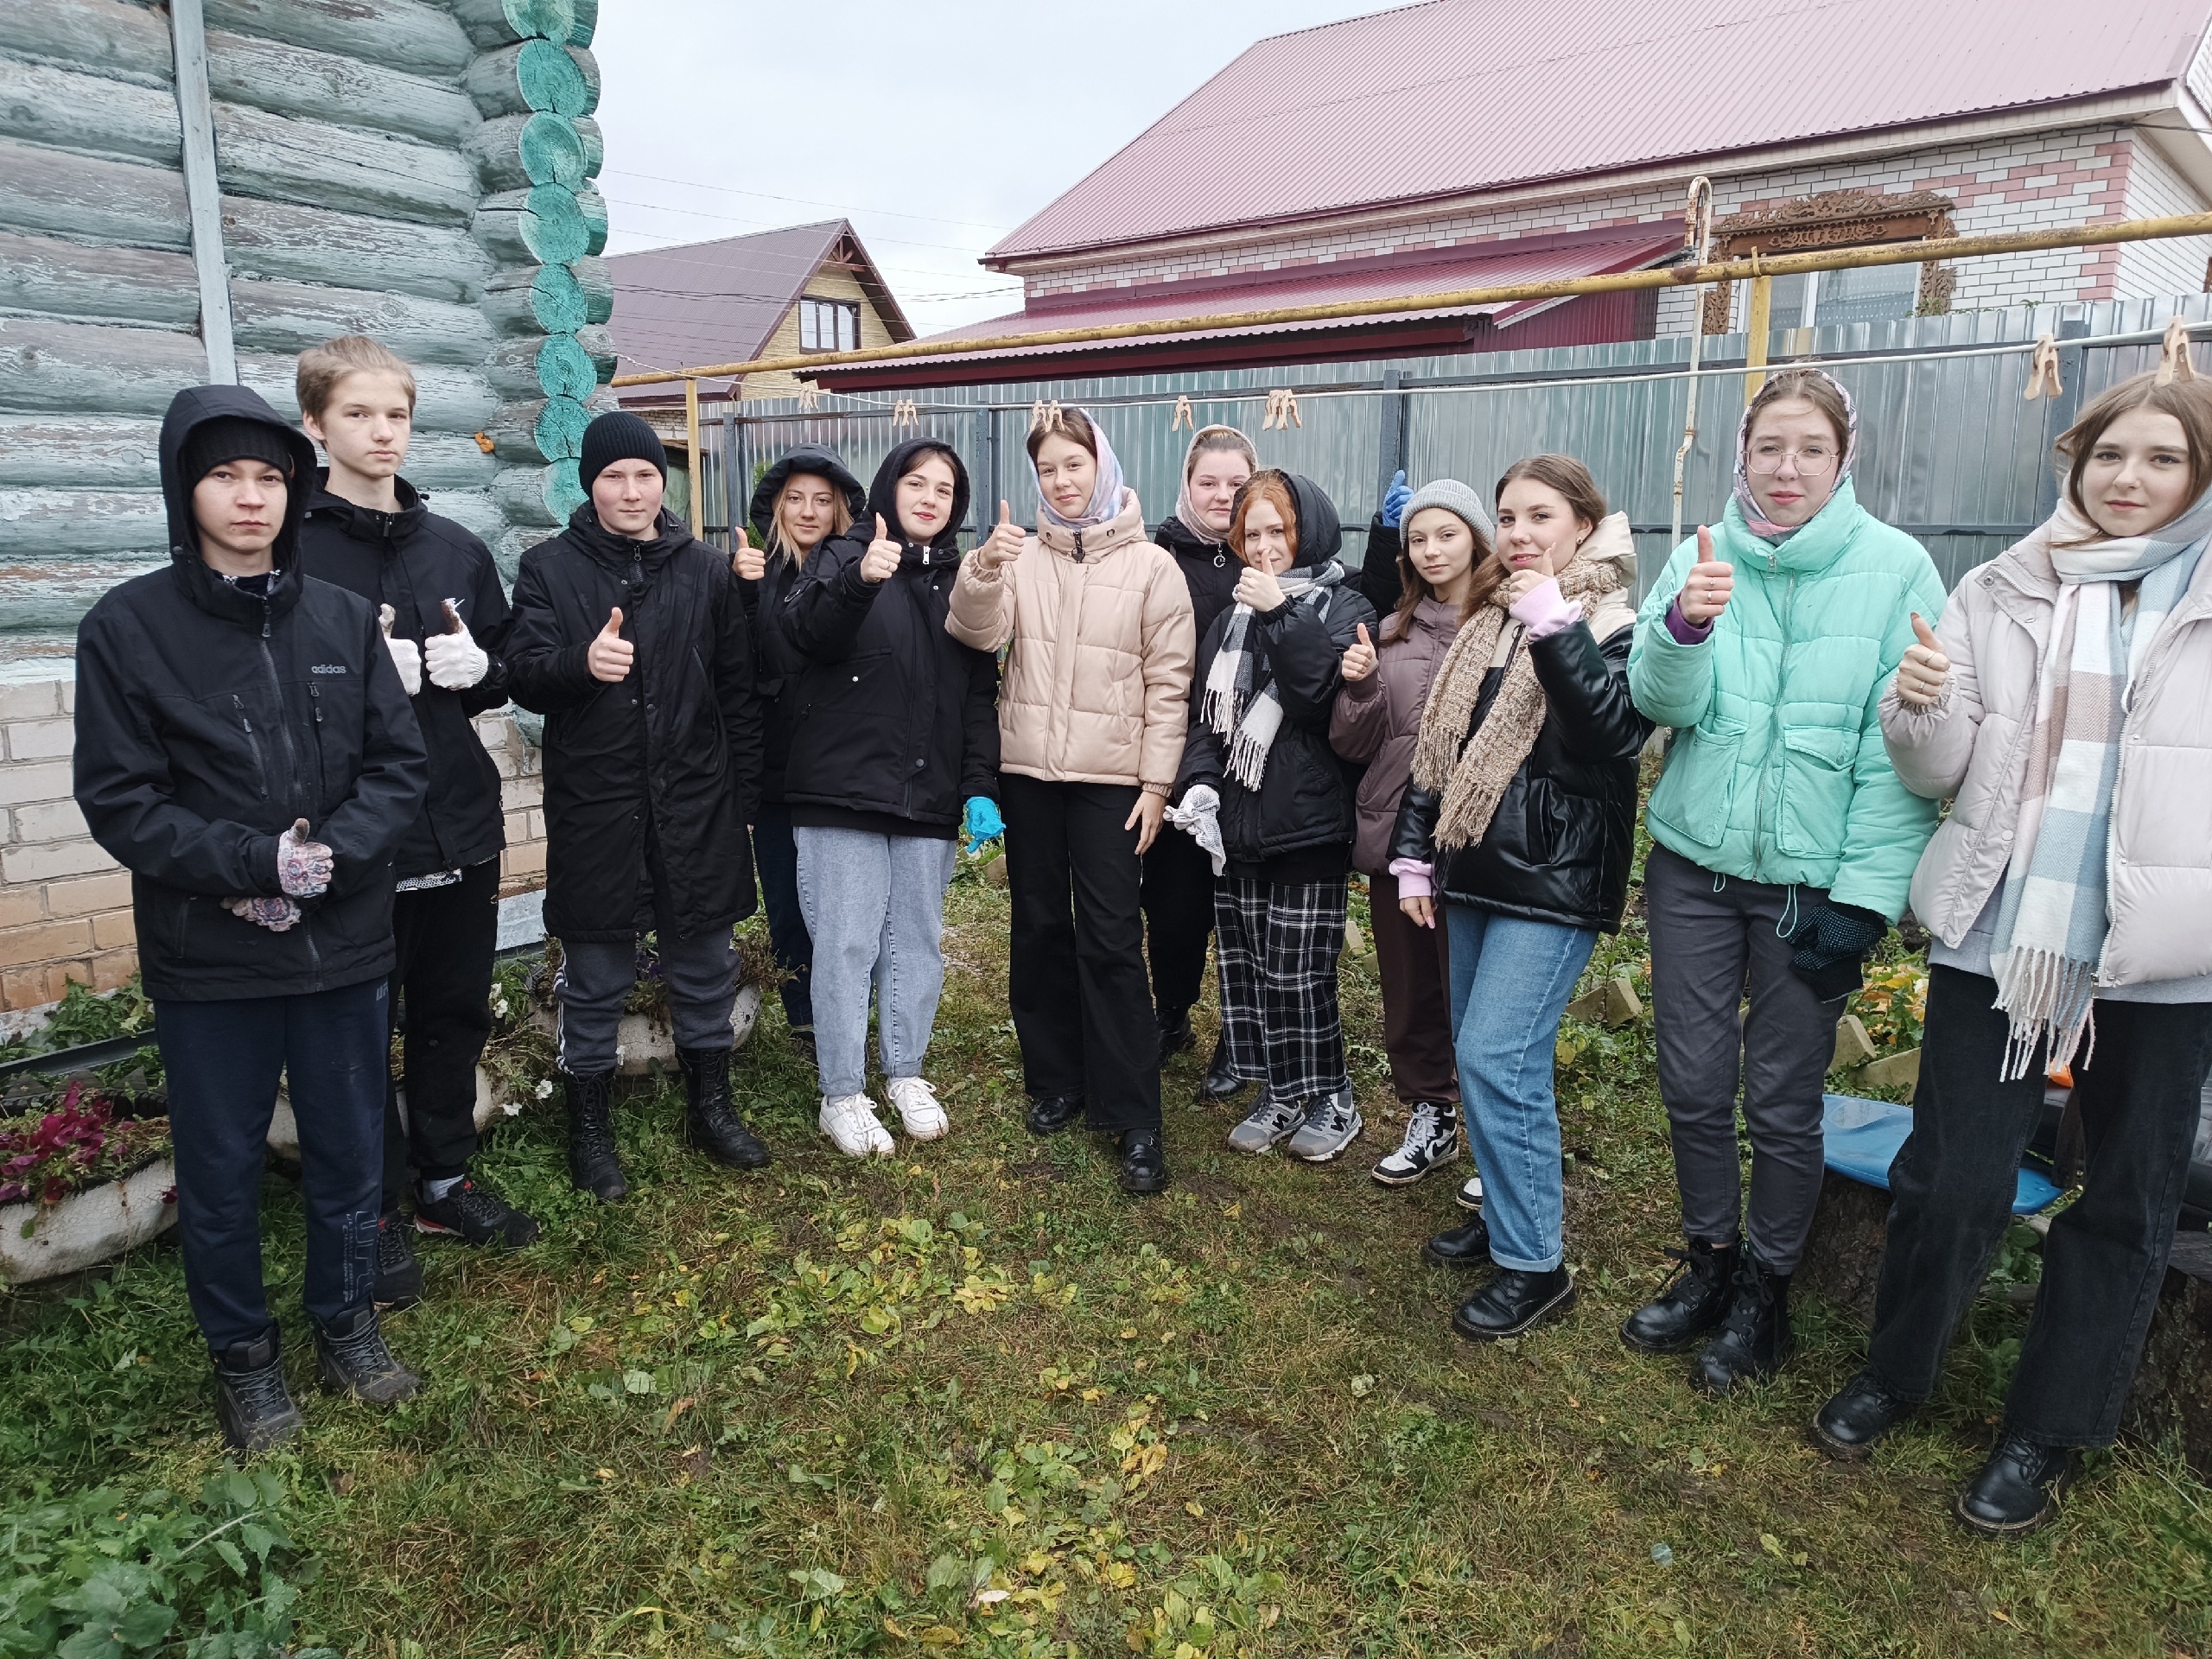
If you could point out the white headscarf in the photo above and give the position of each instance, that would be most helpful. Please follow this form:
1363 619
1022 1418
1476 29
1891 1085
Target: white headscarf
1105 494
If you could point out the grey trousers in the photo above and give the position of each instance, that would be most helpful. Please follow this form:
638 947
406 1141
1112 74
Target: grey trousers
1714 939
594 982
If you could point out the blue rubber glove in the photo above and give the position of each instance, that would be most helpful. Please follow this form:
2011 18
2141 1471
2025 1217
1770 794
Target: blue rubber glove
1394 499
982 822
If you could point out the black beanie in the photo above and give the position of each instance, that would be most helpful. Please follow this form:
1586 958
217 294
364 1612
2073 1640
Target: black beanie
231 437
618 436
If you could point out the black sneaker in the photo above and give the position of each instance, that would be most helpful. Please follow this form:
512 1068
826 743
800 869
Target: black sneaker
399 1275
351 1358
251 1402
1861 1414
474 1214
2018 1489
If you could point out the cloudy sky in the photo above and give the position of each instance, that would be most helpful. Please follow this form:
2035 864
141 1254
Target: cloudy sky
935 128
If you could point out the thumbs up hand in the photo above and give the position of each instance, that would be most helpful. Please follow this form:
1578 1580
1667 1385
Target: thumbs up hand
1004 544
880 561
748 561
1359 661
1705 590
1925 670
610 655
303 867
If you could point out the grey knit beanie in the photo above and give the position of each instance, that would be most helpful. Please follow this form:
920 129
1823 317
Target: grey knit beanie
1452 496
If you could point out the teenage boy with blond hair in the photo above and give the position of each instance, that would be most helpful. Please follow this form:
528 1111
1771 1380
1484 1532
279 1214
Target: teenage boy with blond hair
445 619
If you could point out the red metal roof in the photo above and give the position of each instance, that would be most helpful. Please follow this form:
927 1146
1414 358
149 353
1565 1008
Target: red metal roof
1460 96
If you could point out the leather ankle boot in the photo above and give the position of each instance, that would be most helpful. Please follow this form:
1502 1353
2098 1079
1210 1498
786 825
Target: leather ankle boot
711 1123
1861 1413
593 1165
1688 1305
1754 1336
2018 1489
253 1403
1513 1301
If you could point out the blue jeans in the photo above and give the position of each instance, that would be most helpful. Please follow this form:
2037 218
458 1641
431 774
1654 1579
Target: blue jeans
1510 983
775 855
876 906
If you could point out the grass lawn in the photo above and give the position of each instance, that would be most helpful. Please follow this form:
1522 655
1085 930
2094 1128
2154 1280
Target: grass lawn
972 1399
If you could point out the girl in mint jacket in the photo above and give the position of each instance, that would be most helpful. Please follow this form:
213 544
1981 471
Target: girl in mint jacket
1784 846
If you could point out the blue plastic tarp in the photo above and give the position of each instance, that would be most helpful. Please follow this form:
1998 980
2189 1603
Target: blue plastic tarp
1863 1137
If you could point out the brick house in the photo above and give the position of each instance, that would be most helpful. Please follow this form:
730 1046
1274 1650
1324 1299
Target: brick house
1464 143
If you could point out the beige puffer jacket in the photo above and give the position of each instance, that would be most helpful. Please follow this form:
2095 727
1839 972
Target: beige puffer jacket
1972 749
1097 686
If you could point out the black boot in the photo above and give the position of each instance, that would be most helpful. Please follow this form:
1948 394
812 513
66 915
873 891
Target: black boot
351 1358
1754 1336
1050 1113
1459 1247
2018 1489
1220 1082
1688 1305
251 1402
1861 1414
399 1275
1144 1162
1512 1302
593 1166
710 1122
1176 1036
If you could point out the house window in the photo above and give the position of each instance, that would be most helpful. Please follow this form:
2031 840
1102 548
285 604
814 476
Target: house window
1838 218
829 324
1826 298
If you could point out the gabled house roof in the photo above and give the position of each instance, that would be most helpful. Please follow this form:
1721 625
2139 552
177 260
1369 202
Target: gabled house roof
721 302
1455 98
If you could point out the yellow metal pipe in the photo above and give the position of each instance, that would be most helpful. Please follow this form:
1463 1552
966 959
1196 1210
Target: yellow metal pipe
1756 327
1727 270
698 466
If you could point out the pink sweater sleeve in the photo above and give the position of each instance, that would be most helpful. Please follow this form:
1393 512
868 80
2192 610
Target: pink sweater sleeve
1544 610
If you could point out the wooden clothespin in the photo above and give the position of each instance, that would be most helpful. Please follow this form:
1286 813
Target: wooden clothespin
1282 411
810 396
1044 416
906 412
1183 416
2042 370
2173 354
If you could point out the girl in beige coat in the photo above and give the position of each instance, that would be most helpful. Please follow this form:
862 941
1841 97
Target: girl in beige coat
2065 707
1092 712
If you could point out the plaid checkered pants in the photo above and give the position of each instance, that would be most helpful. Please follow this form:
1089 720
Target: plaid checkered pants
1277 946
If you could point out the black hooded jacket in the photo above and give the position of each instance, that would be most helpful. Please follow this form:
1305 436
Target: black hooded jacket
1304 803
1209 568
209 718
896 722
412 560
649 779
778 665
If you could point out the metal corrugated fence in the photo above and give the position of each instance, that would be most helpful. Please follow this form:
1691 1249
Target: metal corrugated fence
1949 449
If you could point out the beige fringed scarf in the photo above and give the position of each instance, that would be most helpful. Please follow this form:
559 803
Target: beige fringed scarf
1473 777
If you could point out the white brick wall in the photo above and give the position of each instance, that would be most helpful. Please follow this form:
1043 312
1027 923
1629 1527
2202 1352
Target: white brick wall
2156 189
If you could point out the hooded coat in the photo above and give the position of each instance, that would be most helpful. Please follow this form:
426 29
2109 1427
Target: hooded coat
413 560
778 665
1303 802
210 718
897 723
650 778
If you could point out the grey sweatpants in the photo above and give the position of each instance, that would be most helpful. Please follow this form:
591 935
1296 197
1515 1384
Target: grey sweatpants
1714 939
594 982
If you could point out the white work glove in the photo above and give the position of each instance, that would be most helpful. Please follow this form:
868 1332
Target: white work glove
303 867
454 660
1199 817
407 658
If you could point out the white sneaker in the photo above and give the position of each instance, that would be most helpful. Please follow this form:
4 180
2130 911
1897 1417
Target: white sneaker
917 1108
1432 1141
1469 1195
851 1123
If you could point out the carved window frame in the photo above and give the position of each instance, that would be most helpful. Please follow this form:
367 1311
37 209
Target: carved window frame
1834 219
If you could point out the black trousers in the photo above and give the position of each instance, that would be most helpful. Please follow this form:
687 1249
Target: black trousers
1082 1006
775 857
1952 1186
1178 918
440 1007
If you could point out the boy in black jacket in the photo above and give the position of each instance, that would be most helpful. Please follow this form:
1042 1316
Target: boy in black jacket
368 530
631 638
244 749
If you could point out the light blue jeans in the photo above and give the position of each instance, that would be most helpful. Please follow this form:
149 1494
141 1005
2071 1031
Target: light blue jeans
875 907
1510 983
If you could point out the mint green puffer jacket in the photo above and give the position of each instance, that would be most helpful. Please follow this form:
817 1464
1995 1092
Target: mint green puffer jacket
1777 772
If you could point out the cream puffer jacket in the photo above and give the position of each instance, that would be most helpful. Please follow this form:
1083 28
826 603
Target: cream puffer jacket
1972 749
1096 688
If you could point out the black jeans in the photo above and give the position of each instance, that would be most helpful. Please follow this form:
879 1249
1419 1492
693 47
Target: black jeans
223 1060
775 857
1178 898
1951 1195
439 1003
1076 975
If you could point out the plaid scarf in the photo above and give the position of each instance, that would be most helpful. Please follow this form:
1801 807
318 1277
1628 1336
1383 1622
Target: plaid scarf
2052 914
1240 702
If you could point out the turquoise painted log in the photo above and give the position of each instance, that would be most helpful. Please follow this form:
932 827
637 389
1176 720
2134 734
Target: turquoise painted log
402 34
598 344
49 366
555 366
316 164
595 146
491 24
587 23
536 75
476 510
35 522
283 241
548 428
125 42
450 461
447 399
544 224
512 152
592 206
320 86
540 299
597 282
58 278
80 112
527 496
50 595
50 192
77 451
292 316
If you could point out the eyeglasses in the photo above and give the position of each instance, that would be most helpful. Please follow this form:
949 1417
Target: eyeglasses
1813 460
